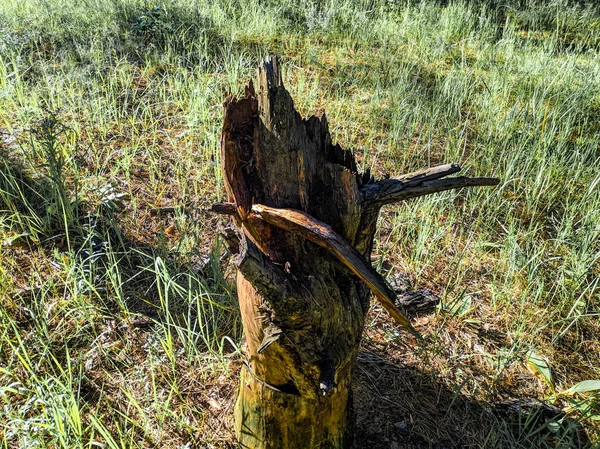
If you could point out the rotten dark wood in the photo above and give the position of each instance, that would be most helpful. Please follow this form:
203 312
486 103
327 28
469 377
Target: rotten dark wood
320 233
425 182
303 221
419 301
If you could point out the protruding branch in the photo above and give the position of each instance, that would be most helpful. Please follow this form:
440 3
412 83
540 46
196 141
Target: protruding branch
224 208
427 174
420 183
320 233
440 185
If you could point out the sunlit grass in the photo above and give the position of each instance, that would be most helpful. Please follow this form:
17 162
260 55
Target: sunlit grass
118 323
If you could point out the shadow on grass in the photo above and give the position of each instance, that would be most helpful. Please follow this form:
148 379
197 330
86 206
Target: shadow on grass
118 273
395 406
398 407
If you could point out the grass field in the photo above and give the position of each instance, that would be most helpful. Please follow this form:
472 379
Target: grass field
118 321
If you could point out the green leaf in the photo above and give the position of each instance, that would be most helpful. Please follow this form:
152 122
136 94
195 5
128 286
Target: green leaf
540 368
584 387
588 408
554 427
459 307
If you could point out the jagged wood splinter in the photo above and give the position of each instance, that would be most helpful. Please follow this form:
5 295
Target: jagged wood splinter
303 221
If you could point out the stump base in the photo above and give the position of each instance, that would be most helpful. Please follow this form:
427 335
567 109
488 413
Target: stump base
267 418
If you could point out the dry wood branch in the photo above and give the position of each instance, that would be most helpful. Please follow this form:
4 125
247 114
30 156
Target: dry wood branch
424 182
441 185
320 233
427 174
224 208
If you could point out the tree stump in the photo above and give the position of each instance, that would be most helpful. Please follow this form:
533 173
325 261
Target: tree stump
303 222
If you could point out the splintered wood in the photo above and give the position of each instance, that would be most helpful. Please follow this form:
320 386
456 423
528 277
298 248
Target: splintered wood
303 223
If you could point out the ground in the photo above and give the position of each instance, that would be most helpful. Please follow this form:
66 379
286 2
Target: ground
119 325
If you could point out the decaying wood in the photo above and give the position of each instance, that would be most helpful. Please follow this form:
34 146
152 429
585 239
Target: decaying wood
421 183
418 301
320 233
304 220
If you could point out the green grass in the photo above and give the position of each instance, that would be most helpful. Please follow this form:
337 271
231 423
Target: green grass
118 320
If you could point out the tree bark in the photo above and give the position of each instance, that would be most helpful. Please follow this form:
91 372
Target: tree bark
303 226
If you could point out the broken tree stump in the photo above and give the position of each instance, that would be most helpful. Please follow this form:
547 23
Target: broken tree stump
303 225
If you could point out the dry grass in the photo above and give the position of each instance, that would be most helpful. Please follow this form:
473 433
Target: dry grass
118 319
